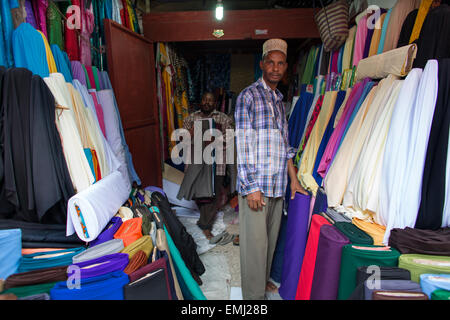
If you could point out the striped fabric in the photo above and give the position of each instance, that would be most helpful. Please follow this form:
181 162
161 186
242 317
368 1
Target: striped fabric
332 22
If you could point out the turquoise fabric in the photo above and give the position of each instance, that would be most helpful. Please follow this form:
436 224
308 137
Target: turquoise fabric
36 261
61 63
188 286
8 28
384 31
88 154
10 251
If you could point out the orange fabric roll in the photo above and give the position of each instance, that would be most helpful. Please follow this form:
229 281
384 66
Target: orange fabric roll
129 231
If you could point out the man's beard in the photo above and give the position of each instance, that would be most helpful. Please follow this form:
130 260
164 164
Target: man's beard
205 110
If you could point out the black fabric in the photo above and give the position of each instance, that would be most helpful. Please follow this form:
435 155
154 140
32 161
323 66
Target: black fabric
386 273
181 238
417 241
153 287
434 174
433 39
407 28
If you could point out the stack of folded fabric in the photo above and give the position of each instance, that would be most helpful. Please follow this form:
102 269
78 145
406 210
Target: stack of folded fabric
419 264
433 282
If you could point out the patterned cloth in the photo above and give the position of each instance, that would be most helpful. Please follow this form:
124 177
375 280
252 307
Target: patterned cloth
263 152
222 122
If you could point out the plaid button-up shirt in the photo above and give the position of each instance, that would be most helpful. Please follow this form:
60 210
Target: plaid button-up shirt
262 141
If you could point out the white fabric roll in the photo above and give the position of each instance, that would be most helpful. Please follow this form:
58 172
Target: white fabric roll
98 204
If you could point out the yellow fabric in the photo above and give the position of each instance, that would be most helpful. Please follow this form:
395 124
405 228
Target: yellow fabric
131 15
376 35
50 60
348 49
374 230
425 6
144 243
309 154
167 78
182 108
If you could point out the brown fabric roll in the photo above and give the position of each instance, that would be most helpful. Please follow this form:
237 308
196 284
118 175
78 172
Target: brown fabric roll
36 277
431 242
398 295
138 261
19 14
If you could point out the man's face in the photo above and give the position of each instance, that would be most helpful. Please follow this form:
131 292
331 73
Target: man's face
274 66
208 103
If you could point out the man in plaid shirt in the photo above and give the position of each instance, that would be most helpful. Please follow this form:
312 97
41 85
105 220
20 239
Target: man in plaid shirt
264 161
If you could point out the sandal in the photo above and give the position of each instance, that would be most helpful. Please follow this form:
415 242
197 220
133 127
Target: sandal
217 238
226 239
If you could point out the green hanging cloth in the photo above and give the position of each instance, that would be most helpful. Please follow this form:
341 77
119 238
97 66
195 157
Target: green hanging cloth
55 26
97 81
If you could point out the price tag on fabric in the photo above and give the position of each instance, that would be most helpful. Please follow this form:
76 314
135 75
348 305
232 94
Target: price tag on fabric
310 88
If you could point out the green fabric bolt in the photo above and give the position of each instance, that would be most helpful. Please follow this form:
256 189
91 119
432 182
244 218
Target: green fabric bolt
309 69
352 258
26 291
54 26
97 82
353 233
418 264
88 83
440 294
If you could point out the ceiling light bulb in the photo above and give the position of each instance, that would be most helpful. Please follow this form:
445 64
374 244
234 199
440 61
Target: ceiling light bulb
219 10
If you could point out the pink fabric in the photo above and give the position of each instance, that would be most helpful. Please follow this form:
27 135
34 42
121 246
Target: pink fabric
40 13
87 27
334 62
311 207
331 147
360 40
91 76
99 111
309 259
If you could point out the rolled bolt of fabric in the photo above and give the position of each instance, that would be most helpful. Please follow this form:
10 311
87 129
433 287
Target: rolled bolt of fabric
440 294
125 213
321 204
353 233
147 220
129 231
325 282
138 261
10 251
418 241
371 285
337 216
42 260
296 239
362 255
419 264
374 230
383 272
398 295
431 282
100 266
103 249
26 291
36 277
108 233
144 243
105 287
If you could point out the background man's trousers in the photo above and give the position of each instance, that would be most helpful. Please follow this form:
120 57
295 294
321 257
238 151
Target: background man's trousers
258 233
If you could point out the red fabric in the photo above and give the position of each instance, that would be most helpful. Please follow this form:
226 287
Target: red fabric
71 38
309 260
99 110
124 15
91 76
313 120
98 172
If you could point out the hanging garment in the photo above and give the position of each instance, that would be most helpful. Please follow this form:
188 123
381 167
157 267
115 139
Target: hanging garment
30 17
360 38
106 248
18 12
419 264
434 173
101 266
354 256
36 277
407 28
54 25
87 28
390 286
7 28
40 10
325 281
296 236
105 287
374 230
306 269
144 243
395 156
431 282
432 242
10 252
61 64
48 259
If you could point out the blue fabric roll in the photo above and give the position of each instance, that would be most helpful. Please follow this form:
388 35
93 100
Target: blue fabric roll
297 120
61 63
29 50
42 260
321 203
105 287
432 282
8 28
10 252
277 262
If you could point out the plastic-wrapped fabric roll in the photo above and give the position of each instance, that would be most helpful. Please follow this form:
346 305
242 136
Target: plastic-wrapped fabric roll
129 231
105 287
389 285
432 282
354 256
353 233
398 295
144 243
10 251
397 62
48 259
95 206
440 294
419 264
36 277
305 279
325 282
296 236
106 248
409 240
102 265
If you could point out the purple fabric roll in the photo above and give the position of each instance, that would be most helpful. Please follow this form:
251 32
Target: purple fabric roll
296 236
153 189
78 72
328 263
108 233
106 264
30 14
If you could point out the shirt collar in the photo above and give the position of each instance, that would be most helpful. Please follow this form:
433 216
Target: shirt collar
266 87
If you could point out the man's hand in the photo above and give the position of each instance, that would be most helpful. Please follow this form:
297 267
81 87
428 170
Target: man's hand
255 201
296 187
